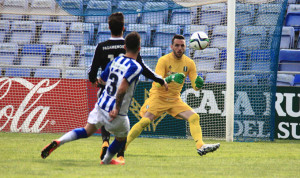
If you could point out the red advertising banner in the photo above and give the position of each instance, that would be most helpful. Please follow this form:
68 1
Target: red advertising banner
42 105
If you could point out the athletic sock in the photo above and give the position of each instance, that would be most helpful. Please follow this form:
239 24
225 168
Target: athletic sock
73 135
113 148
195 130
105 135
137 129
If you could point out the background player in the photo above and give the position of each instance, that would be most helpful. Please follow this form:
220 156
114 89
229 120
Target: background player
120 76
105 52
174 67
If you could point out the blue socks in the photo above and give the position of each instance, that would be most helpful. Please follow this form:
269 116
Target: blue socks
116 146
73 135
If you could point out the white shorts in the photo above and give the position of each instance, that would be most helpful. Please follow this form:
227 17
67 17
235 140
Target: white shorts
119 126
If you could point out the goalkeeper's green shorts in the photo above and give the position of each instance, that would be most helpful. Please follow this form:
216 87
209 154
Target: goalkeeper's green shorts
157 106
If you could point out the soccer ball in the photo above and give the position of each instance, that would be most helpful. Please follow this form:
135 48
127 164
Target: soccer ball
199 40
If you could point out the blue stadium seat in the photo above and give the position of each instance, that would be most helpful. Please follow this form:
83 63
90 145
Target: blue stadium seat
213 14
98 11
11 17
72 7
245 80
52 32
219 36
215 78
268 14
190 29
62 56
164 34
76 74
289 60
42 7
17 72
20 6
252 37
150 55
293 16
155 13
298 42
8 53
103 33
285 80
86 56
130 9
4 29
244 14
47 73
39 19
33 54
207 59
75 35
297 80
143 30
287 38
22 32
183 16
240 59
88 32
261 63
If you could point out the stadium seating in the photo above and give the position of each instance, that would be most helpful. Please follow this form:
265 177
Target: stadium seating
11 17
20 6
42 7
94 9
190 29
215 78
8 53
219 37
18 72
298 42
130 8
75 35
159 10
262 63
293 16
143 30
86 56
244 14
297 80
47 73
4 30
76 74
239 79
88 33
164 34
289 60
33 54
183 16
103 33
72 7
62 56
240 60
207 59
213 14
285 80
252 37
268 14
287 38
150 55
22 32
52 32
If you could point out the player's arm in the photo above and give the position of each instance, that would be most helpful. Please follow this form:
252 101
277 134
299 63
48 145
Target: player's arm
196 81
95 66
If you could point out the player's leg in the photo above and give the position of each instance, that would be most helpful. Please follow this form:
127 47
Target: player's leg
137 129
105 141
117 145
72 135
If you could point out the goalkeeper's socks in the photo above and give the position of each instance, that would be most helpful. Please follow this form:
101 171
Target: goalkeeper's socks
113 148
73 135
137 129
195 129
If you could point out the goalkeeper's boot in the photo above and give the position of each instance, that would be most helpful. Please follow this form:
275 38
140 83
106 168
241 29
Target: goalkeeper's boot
208 148
49 148
114 162
104 148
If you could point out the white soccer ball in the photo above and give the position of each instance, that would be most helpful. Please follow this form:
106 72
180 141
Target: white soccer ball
199 40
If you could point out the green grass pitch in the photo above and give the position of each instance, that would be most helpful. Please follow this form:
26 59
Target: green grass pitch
147 157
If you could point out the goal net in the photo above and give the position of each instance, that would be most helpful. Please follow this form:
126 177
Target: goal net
46 48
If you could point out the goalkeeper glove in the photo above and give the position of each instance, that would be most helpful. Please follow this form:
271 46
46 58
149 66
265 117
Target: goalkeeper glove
178 78
199 82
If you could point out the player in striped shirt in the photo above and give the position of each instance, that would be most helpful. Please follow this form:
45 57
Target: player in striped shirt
120 78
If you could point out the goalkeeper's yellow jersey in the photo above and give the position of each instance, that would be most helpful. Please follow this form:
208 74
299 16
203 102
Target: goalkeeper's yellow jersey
168 65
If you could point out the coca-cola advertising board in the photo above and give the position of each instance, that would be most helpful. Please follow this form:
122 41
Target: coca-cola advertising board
42 105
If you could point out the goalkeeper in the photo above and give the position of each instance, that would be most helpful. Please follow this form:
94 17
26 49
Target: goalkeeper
174 66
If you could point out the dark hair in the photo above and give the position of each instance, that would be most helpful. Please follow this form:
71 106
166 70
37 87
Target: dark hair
116 23
180 37
133 42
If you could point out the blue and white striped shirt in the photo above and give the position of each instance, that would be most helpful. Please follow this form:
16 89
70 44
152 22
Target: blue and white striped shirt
119 68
